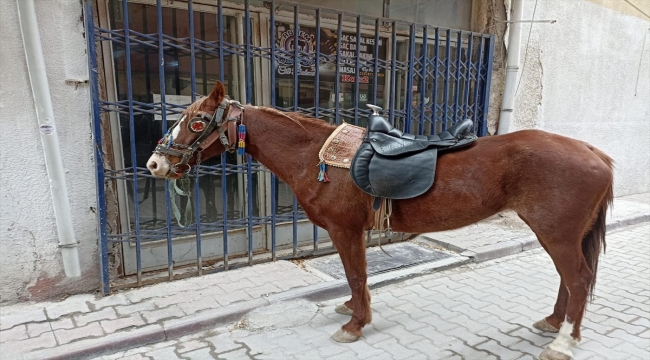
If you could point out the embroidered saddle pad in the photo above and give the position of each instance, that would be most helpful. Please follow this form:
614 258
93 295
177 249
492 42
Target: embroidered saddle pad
340 147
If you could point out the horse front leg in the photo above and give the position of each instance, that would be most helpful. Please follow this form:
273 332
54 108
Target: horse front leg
352 251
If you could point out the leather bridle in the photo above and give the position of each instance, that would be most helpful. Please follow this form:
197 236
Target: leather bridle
204 124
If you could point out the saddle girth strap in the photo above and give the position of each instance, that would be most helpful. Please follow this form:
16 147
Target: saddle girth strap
383 210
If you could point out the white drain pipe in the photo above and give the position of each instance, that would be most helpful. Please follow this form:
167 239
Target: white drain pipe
49 138
512 68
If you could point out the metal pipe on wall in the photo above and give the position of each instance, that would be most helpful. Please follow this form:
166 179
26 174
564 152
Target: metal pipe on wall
512 68
47 128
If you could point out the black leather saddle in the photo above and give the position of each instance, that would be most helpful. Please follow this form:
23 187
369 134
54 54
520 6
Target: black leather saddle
393 165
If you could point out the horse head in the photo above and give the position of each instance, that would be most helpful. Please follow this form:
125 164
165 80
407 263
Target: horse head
194 136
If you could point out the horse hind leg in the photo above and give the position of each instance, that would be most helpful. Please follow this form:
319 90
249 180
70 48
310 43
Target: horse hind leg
553 322
577 279
574 249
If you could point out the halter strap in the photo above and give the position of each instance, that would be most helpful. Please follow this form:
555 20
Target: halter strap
207 137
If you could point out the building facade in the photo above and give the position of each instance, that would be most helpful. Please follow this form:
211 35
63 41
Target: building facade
576 81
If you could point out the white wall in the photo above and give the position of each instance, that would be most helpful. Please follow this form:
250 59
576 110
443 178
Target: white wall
30 261
580 80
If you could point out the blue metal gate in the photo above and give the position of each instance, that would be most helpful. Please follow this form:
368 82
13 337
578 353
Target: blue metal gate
426 78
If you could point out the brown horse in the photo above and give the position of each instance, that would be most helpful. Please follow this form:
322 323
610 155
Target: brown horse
559 186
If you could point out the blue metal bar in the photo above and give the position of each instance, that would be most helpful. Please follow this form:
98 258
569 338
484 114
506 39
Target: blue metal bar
477 84
249 177
393 74
190 10
459 44
273 179
197 211
197 204
296 58
486 90
317 96
357 72
375 64
272 55
247 40
134 158
409 82
317 74
249 159
434 94
446 93
468 77
97 137
163 109
337 82
423 83
224 179
274 205
296 93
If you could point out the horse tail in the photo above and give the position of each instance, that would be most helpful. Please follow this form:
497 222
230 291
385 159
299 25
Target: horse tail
594 239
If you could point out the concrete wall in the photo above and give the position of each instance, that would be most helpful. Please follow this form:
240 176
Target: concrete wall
30 261
587 77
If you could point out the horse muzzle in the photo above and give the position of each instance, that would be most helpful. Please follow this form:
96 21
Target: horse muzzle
160 167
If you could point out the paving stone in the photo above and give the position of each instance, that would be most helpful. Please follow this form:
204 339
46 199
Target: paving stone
223 343
30 314
227 299
91 330
156 315
493 347
235 355
231 287
167 353
200 354
263 290
396 350
195 306
190 345
105 314
11 348
109 300
14 334
62 323
600 349
111 326
36 329
73 304
527 347
135 357
130 309
163 302
427 348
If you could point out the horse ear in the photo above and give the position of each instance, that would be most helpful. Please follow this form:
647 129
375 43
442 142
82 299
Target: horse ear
218 93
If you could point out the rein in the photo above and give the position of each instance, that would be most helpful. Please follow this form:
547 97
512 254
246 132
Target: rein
204 124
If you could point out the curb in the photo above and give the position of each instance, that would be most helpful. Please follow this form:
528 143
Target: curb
209 319
511 247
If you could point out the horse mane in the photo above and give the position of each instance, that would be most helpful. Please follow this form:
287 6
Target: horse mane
296 117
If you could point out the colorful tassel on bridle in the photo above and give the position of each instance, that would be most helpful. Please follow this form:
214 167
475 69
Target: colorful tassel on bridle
322 175
241 146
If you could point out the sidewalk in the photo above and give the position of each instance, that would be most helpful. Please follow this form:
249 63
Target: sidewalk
83 326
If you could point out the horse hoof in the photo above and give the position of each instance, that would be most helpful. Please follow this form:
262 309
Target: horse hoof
342 309
550 354
343 336
543 325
